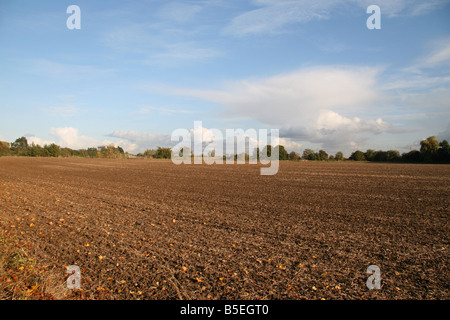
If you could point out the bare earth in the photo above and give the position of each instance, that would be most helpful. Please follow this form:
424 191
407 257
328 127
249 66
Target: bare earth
148 229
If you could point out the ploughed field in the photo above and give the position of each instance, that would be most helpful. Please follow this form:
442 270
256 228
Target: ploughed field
149 229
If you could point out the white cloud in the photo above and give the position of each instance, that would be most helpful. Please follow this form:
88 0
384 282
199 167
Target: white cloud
64 71
273 16
206 134
62 110
310 104
393 8
288 144
437 58
38 141
179 12
163 42
330 121
441 56
293 98
335 132
142 140
69 137
162 110
185 51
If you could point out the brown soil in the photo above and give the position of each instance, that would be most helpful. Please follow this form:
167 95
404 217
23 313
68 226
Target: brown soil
142 229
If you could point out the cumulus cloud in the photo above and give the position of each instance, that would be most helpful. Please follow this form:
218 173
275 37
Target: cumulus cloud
334 131
310 104
69 137
38 141
329 121
142 140
296 96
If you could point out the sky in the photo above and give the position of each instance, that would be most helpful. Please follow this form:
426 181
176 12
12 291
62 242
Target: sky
136 71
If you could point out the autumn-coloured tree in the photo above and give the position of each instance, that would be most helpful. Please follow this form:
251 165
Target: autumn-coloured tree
294 156
4 148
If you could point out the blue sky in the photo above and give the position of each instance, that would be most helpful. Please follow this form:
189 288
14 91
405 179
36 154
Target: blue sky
138 70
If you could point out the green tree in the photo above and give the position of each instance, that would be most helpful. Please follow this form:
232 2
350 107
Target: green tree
256 154
322 155
282 153
339 156
149 153
309 154
92 153
20 146
34 150
380 156
66 152
53 150
428 148
443 154
266 152
412 156
370 155
163 153
186 152
357 156
393 155
429 145
110 152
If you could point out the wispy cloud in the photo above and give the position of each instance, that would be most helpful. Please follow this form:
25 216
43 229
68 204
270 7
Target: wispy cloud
173 35
64 108
179 12
183 51
62 111
273 16
440 56
162 110
64 71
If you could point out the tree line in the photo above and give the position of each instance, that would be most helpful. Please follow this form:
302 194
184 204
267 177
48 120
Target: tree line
431 151
20 147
